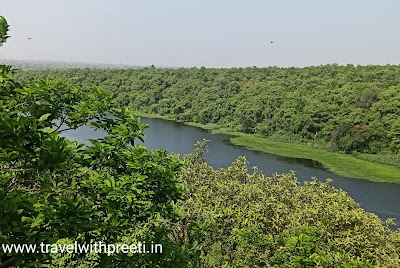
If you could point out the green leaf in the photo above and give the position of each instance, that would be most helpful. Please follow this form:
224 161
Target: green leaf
38 221
53 240
44 117
26 219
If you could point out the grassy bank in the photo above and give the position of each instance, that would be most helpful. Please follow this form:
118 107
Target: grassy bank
338 163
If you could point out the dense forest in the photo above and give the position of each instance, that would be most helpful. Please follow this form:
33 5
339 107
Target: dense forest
340 108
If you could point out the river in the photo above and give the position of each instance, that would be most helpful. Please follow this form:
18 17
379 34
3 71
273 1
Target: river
380 198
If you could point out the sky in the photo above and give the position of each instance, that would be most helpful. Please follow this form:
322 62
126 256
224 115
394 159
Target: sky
210 33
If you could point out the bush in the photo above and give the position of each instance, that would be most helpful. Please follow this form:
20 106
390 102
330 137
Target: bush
52 189
249 220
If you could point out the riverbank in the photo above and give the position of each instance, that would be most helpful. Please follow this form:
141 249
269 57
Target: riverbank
337 163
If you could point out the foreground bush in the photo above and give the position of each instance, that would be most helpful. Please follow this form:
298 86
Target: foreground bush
52 189
249 220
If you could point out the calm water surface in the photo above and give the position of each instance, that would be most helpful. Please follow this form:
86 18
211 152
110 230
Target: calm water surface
380 198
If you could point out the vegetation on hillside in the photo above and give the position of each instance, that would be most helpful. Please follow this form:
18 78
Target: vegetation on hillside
344 108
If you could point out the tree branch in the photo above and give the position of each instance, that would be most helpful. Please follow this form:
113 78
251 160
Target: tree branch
8 263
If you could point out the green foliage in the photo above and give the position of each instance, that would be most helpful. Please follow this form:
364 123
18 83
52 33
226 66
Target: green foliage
52 189
380 158
346 108
249 220
3 30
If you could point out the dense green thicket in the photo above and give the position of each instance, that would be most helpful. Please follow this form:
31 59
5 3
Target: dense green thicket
249 220
53 190
344 108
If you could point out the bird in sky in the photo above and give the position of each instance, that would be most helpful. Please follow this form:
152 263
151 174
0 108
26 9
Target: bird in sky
29 38
271 42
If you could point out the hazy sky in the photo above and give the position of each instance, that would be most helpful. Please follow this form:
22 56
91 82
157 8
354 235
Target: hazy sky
211 33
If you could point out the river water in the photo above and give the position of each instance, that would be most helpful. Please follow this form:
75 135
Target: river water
380 198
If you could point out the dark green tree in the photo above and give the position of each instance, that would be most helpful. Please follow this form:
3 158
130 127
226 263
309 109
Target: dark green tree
3 30
52 189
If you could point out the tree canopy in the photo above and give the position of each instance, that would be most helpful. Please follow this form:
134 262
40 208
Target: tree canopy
244 219
340 108
51 189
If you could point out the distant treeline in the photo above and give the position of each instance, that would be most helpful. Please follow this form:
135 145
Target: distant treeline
347 108
39 65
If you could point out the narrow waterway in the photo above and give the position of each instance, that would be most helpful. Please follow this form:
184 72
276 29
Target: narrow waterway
380 198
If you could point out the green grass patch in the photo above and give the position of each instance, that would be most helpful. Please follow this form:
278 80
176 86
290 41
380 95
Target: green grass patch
340 164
